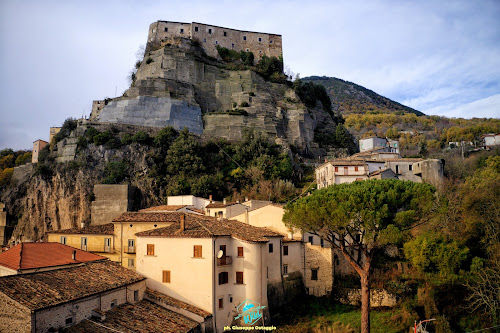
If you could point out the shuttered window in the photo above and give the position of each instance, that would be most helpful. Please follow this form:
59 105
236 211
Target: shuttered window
197 249
166 276
151 250
285 250
239 277
240 251
223 277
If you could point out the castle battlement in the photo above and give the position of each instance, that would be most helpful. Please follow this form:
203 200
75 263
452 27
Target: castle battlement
209 36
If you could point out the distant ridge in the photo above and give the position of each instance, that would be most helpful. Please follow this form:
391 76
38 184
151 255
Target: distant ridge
349 97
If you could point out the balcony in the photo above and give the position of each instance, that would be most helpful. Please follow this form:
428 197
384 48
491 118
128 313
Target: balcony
129 249
226 260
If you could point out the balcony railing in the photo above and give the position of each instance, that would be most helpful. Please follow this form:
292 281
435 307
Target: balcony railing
129 249
226 260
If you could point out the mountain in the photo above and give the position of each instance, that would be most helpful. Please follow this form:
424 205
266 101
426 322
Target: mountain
348 97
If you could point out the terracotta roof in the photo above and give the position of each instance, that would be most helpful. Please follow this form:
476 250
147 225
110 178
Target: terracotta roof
176 303
143 316
347 162
220 204
156 217
199 211
44 289
289 240
165 208
197 226
103 229
38 255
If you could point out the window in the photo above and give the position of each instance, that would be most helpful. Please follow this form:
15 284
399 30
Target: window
182 31
285 269
136 295
113 303
336 169
311 239
216 42
355 168
84 243
107 244
410 167
345 170
260 51
166 277
131 263
166 29
248 50
223 249
151 250
221 303
314 274
244 37
196 29
260 39
204 40
197 251
285 250
240 251
239 277
232 46
270 42
63 239
225 34
270 248
322 243
223 277
397 169
210 31
69 321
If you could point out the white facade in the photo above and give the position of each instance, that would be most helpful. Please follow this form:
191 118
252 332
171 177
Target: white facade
188 200
491 140
202 281
339 172
372 143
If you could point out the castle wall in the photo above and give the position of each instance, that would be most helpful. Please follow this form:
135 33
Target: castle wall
110 202
210 36
153 111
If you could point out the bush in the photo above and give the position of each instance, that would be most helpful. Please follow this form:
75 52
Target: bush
141 137
82 142
90 133
126 139
23 159
68 126
165 137
102 138
228 55
244 104
251 93
269 66
6 176
115 172
247 58
310 93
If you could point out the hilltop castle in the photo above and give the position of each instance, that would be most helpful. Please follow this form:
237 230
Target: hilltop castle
209 36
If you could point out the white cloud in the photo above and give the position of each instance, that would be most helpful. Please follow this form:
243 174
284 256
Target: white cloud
488 107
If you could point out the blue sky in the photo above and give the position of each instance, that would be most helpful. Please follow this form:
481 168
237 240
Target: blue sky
439 57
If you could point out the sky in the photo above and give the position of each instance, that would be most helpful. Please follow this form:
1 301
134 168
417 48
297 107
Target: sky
439 57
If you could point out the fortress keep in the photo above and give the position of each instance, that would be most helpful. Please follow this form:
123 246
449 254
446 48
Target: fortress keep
209 36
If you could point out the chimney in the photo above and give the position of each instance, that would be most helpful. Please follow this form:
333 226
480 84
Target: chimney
73 256
82 225
246 199
224 201
183 222
210 198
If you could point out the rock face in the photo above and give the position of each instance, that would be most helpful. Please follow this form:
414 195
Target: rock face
178 84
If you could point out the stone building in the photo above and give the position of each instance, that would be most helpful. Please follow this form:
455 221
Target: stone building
211 36
57 299
53 132
37 146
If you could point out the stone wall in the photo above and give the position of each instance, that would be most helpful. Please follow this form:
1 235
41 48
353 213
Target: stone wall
110 202
3 223
279 294
431 171
378 297
97 106
318 258
153 111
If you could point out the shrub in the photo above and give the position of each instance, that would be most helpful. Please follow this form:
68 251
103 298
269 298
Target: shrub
251 93
126 139
6 176
247 58
23 159
269 66
68 126
244 104
141 137
310 93
90 133
228 55
235 104
102 138
165 137
82 142
115 172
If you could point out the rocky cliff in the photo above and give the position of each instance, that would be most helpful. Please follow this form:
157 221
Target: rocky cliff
186 88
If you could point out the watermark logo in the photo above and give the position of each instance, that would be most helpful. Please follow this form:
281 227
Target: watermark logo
250 311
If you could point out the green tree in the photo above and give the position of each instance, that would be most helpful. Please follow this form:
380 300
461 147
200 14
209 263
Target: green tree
363 215
184 155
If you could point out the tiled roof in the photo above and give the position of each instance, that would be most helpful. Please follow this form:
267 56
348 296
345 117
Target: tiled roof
165 208
103 229
38 255
220 204
199 211
153 294
143 316
197 226
156 217
44 289
347 162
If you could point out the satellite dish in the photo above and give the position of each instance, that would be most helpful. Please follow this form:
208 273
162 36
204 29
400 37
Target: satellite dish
220 254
